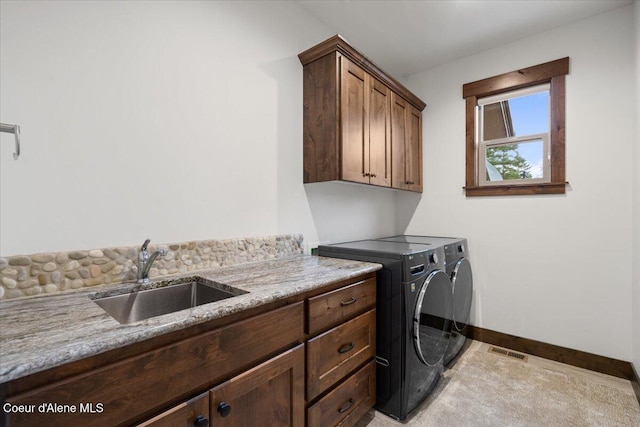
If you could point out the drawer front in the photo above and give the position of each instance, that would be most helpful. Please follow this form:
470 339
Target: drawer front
186 414
335 307
142 385
334 354
348 403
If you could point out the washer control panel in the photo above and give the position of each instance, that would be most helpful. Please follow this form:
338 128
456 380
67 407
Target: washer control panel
420 263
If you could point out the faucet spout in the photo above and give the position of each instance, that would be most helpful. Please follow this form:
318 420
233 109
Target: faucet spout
145 260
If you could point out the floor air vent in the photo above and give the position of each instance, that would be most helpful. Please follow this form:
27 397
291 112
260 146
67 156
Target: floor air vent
508 353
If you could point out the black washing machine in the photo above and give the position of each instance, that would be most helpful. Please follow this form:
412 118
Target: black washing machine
459 270
413 318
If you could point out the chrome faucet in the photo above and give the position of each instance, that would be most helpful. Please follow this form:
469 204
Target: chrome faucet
145 260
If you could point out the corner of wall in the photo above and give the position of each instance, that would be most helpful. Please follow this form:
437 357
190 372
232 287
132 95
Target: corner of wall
636 206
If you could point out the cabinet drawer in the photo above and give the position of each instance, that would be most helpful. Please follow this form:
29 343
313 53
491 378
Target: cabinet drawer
183 415
334 307
335 353
348 403
138 387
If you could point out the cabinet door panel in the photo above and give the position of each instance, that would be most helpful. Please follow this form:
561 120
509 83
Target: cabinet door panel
414 149
406 145
379 134
398 141
355 151
271 394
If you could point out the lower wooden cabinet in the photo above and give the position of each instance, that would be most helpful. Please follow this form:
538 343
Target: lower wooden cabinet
263 370
142 386
271 394
341 374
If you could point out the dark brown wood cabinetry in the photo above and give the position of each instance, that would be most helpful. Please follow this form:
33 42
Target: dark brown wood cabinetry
365 130
271 394
351 132
146 383
406 140
234 372
340 360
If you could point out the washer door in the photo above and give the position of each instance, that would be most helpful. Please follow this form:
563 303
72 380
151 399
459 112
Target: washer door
462 281
432 318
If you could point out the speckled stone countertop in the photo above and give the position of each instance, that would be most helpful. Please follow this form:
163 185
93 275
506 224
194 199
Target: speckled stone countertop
46 331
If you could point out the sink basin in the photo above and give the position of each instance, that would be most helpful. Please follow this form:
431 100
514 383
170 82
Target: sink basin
180 295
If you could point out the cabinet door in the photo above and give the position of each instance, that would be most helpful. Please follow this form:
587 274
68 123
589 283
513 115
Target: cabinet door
398 141
271 394
413 149
406 145
379 133
354 135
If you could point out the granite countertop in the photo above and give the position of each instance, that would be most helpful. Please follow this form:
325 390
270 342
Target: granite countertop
42 332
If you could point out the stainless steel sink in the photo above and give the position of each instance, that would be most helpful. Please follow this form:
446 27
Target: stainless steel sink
180 295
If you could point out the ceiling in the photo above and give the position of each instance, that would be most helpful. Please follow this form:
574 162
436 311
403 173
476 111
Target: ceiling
406 37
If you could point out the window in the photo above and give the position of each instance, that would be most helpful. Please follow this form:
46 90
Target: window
513 137
515 132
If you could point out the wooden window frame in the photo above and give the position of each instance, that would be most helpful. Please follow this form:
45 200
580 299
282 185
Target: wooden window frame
550 72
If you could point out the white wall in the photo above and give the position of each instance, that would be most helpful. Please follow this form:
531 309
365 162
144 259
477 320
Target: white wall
551 268
169 120
636 203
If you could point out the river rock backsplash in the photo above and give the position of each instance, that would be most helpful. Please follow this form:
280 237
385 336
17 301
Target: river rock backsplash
50 272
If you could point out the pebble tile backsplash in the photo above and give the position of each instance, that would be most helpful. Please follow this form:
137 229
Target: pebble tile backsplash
50 272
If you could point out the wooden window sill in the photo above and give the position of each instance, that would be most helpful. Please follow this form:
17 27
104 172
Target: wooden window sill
516 189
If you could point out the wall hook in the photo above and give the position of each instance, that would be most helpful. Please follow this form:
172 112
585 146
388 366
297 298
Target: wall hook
14 129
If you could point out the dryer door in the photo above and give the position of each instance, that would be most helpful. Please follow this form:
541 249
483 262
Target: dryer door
432 318
462 282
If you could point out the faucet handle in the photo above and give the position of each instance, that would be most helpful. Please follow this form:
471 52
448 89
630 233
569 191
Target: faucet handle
144 245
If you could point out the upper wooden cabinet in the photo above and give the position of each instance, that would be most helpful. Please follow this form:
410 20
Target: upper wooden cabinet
406 140
353 129
366 132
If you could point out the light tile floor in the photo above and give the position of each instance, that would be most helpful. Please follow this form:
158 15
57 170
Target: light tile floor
488 389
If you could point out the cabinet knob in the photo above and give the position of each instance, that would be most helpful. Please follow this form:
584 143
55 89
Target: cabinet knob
373 175
224 409
366 174
201 421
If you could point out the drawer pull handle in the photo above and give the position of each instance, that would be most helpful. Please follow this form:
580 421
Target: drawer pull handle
346 407
345 348
351 301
